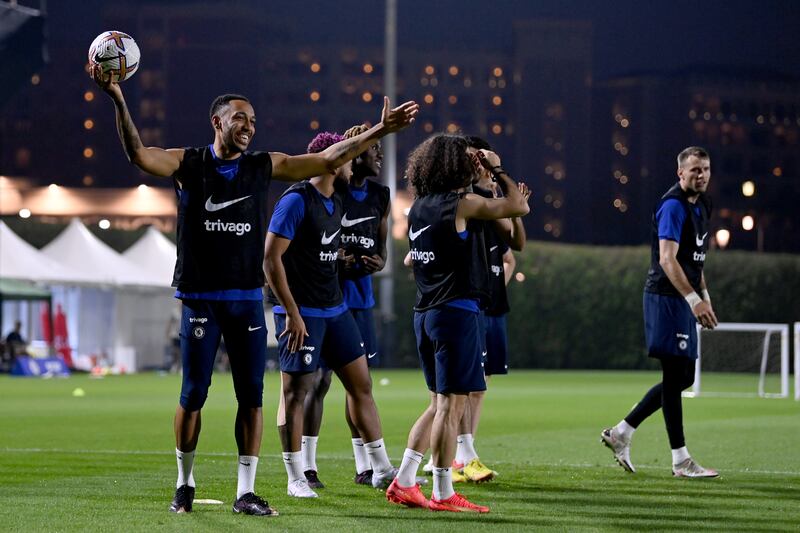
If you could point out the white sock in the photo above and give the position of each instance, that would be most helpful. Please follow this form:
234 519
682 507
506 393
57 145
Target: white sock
625 430
360 453
465 448
679 455
185 463
407 476
247 475
442 483
293 461
378 458
309 451
430 461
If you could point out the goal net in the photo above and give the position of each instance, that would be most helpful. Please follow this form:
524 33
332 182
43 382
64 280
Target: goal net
740 359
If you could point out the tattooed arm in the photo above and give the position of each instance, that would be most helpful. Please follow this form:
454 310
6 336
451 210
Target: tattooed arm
153 160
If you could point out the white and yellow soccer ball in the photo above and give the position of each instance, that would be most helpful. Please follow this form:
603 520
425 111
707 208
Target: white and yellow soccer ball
117 54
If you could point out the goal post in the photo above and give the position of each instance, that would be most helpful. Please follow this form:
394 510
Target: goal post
797 360
748 348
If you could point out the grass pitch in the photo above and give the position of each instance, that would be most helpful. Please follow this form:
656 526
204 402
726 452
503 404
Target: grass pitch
105 461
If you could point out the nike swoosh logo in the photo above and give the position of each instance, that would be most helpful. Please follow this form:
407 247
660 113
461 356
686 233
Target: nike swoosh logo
414 234
328 240
251 328
493 248
347 223
699 240
371 355
211 206
244 464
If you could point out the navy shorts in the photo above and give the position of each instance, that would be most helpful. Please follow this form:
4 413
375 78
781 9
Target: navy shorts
496 347
450 346
332 343
670 328
366 325
241 323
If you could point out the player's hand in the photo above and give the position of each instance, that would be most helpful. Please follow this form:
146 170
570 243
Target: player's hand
488 159
103 81
296 330
400 117
373 263
524 191
705 315
347 260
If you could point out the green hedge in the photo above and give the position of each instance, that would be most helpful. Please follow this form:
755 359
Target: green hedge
581 306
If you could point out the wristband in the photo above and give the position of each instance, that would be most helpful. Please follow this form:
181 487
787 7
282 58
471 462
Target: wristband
693 299
706 296
496 171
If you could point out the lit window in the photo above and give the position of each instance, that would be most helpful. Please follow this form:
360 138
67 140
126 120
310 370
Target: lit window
314 96
428 127
88 96
748 188
367 96
497 129
777 172
35 79
453 70
315 67
497 72
452 127
429 70
88 124
453 99
88 180
428 98
748 223
314 125
88 153
624 123
368 68
617 203
497 100
623 179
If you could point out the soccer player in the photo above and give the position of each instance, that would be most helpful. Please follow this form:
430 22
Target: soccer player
675 299
222 223
502 236
449 259
313 320
362 251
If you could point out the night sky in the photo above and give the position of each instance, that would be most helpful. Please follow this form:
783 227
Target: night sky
628 35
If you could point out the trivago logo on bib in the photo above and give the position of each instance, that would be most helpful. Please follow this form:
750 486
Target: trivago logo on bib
239 228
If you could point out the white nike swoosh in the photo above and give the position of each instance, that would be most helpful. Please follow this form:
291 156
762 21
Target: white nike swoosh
699 240
211 206
328 240
251 328
493 248
371 355
347 223
414 234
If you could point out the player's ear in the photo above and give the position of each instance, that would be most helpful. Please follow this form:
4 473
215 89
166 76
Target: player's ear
216 122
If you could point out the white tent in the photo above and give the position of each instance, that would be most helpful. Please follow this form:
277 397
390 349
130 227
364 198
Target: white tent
124 322
76 247
155 254
20 260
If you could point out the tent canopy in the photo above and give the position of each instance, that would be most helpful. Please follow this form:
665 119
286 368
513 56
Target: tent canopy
155 254
20 260
77 248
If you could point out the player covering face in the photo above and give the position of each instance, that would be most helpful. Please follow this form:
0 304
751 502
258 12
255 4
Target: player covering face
447 250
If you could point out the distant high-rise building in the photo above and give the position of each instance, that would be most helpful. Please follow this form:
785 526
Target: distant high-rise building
749 121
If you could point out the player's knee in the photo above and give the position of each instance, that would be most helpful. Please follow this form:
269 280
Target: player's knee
252 397
193 396
322 386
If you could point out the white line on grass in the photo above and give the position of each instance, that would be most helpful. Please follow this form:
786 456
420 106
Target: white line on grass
348 457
